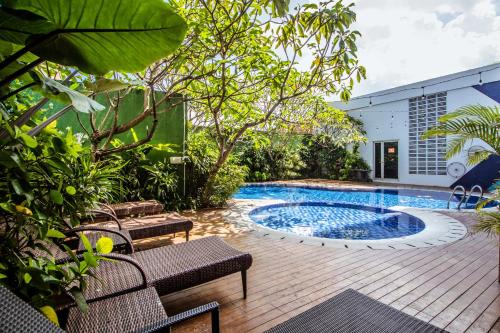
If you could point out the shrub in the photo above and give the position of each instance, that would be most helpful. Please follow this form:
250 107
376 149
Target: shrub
46 184
323 156
272 161
228 180
142 178
353 161
202 153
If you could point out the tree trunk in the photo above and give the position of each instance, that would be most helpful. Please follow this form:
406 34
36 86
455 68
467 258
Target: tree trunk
205 196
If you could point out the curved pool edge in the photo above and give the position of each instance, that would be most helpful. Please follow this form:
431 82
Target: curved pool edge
439 229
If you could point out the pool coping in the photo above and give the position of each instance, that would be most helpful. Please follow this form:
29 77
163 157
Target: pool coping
439 229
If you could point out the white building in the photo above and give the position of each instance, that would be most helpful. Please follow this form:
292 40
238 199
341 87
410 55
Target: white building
394 120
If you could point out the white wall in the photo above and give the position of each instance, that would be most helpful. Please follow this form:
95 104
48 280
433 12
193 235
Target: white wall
389 122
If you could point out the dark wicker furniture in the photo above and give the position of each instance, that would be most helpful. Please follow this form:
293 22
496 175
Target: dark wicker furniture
169 268
123 242
169 225
139 311
353 312
134 208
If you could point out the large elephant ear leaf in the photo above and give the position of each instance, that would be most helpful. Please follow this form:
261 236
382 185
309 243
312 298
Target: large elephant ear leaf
17 26
79 101
103 35
8 48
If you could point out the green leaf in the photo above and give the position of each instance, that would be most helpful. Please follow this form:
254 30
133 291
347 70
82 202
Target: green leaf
79 299
27 278
18 27
79 101
2 276
56 197
6 49
59 165
50 313
280 7
17 186
104 85
90 259
8 207
86 242
52 233
28 140
122 35
70 190
7 160
104 245
59 145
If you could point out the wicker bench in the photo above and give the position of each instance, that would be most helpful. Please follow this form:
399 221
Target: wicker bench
124 232
353 312
151 226
138 311
129 231
170 268
132 208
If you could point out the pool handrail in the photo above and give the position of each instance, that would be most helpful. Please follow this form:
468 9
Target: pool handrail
458 187
470 194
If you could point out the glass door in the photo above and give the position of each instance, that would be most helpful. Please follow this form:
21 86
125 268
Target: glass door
391 160
386 160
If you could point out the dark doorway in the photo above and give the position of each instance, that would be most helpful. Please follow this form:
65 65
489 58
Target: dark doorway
386 160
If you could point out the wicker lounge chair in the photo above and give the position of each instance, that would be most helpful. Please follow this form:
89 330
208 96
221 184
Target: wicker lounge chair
122 242
139 311
353 312
134 208
169 268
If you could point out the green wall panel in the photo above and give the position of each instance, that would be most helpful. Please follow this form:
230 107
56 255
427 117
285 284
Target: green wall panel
170 129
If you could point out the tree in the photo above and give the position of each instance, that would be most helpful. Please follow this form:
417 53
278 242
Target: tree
170 75
252 58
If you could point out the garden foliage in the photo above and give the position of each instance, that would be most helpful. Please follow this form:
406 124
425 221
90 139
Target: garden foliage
304 156
47 179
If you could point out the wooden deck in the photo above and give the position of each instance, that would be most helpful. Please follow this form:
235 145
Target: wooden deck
452 286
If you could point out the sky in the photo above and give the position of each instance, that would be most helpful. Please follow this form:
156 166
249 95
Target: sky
405 41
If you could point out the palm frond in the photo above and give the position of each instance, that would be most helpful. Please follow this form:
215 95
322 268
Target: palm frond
478 156
468 123
489 222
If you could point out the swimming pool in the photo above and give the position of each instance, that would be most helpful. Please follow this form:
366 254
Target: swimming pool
381 198
336 220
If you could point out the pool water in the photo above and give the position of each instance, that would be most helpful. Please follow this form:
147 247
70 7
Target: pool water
382 198
336 220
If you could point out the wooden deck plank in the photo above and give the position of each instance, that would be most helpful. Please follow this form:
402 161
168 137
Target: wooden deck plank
459 296
433 285
446 292
422 291
455 321
486 321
